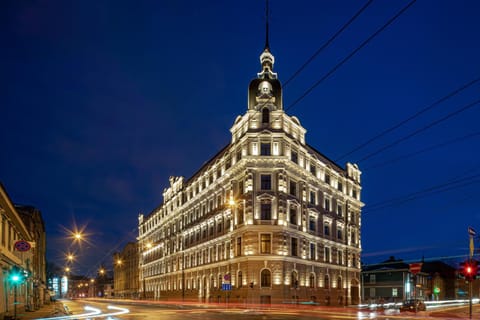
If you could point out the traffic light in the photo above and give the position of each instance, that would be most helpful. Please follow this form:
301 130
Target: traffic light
16 275
469 270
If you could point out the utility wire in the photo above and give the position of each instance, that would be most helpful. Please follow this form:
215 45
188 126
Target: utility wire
413 154
328 42
363 44
401 123
430 125
323 47
449 185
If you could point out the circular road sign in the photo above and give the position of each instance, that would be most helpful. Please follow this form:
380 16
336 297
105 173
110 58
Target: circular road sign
22 245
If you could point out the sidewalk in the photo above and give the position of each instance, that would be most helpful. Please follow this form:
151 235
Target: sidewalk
53 309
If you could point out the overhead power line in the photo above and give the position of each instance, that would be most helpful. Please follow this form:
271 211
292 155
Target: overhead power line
430 148
328 42
323 47
449 185
415 115
363 44
430 125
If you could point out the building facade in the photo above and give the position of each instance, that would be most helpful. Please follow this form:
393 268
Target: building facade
269 219
125 272
32 218
14 293
392 281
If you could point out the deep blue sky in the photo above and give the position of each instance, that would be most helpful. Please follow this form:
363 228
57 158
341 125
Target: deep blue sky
102 101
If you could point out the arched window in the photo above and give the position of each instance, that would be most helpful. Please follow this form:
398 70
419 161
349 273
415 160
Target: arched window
265 115
212 282
327 282
220 281
339 283
240 279
312 280
265 278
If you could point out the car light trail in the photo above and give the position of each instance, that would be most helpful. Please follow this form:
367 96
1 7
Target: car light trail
93 313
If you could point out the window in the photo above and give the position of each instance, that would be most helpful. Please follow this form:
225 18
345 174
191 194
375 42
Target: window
327 178
373 278
266 182
312 223
326 229
265 149
266 211
339 210
340 186
339 234
312 198
313 256
240 187
294 156
313 169
312 280
294 247
265 115
327 204
219 226
265 243
327 254
327 282
228 163
294 279
239 155
240 279
293 215
354 193
239 246
265 278
340 257
339 283
293 188
240 214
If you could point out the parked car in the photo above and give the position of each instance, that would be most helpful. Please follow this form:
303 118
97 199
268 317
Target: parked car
413 305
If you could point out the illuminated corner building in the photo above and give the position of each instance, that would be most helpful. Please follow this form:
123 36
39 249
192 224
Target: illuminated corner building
269 215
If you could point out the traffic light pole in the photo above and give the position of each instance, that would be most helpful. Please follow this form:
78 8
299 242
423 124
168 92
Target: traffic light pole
15 301
470 295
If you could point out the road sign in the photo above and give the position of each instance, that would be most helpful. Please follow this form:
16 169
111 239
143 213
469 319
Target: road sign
471 231
22 245
226 287
415 268
226 277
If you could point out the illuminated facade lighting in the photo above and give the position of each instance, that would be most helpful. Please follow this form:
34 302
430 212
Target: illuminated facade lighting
268 209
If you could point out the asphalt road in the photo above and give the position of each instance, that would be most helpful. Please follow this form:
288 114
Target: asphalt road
172 311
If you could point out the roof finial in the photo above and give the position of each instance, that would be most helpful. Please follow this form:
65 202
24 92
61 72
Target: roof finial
267 45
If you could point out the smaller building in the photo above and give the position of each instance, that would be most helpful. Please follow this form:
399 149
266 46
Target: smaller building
392 281
125 272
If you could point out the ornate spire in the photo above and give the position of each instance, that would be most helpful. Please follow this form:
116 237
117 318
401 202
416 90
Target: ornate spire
266 58
267 44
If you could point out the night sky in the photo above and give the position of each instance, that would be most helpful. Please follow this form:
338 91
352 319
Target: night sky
102 101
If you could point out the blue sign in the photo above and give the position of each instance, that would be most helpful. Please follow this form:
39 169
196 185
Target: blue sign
226 286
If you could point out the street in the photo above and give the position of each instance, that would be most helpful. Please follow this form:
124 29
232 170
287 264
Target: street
173 311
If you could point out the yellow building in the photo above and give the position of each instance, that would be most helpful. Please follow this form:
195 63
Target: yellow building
269 219
125 272
16 261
